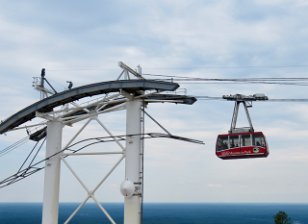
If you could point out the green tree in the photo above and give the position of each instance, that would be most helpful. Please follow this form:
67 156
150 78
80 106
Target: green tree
282 218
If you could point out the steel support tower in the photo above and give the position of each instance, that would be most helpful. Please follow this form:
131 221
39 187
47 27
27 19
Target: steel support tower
59 109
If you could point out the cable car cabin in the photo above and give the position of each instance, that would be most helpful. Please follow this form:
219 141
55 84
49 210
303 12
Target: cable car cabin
241 145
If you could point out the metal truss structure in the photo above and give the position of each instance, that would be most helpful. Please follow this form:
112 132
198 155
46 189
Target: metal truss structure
131 92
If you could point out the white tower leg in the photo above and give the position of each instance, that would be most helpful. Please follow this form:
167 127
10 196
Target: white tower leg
52 173
132 204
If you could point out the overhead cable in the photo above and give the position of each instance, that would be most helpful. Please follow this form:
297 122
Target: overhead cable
15 145
270 100
300 81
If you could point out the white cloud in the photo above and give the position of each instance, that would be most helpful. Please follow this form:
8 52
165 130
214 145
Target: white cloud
189 38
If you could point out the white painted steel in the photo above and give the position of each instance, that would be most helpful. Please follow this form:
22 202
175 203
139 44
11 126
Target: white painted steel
52 173
78 132
132 205
110 134
91 194
92 153
133 151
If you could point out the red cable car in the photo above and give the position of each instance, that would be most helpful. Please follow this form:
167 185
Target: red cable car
242 142
241 145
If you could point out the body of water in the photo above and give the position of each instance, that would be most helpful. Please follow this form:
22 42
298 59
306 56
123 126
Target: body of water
157 213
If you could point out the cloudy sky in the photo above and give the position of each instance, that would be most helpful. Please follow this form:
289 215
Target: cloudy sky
83 41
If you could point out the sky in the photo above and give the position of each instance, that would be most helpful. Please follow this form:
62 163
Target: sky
83 41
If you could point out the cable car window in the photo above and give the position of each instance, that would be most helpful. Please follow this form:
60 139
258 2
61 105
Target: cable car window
222 143
234 141
259 140
246 140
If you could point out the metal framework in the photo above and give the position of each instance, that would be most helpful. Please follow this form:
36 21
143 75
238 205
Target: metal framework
247 102
130 94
